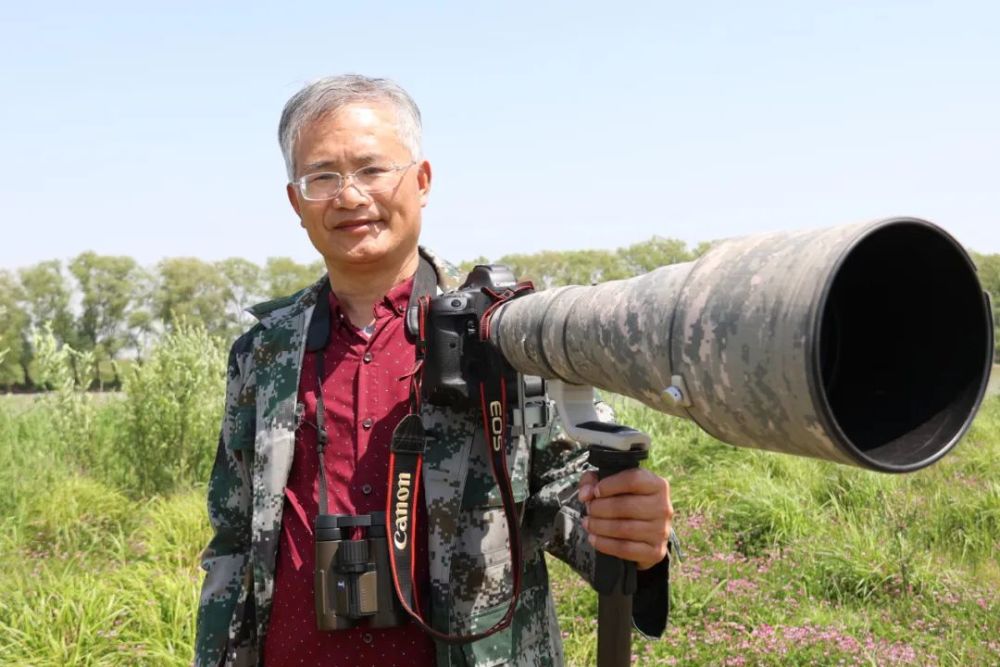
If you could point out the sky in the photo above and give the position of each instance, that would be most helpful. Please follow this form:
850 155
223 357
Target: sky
149 129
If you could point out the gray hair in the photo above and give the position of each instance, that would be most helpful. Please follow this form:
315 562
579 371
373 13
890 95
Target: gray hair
331 94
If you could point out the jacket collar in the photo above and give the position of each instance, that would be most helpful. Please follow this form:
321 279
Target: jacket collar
271 313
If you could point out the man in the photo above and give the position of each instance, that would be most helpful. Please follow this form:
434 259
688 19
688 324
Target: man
358 183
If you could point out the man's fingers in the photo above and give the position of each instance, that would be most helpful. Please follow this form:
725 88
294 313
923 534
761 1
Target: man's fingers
588 481
652 532
630 507
637 480
639 552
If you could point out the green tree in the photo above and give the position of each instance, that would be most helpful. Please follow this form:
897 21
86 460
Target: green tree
107 286
141 325
194 290
244 287
284 276
467 266
702 248
569 267
644 257
14 325
552 268
45 293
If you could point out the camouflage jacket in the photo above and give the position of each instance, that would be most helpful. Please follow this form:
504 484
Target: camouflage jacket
470 568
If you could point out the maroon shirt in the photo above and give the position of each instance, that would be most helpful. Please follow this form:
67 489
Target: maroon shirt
364 400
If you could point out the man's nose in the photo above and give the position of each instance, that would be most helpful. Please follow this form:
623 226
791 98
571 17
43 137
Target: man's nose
352 196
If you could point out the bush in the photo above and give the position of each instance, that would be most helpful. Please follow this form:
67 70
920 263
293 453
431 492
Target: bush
69 407
172 410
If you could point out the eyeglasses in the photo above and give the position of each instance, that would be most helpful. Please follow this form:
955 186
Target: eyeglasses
372 179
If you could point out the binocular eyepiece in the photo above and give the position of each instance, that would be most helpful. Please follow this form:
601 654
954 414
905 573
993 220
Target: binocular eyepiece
353 581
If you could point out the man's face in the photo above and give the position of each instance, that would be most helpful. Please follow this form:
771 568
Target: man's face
355 228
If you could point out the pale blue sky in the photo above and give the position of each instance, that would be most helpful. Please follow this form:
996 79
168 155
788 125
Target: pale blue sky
148 129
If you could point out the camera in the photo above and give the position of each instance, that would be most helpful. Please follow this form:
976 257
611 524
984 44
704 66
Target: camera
455 353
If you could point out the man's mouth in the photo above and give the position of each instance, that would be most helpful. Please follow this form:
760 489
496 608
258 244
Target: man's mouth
349 225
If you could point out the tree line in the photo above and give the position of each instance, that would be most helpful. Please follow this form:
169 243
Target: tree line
114 308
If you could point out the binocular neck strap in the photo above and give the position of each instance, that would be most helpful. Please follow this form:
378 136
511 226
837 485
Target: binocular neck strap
405 458
321 434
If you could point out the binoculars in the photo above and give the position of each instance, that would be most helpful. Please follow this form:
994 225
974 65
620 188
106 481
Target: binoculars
353 581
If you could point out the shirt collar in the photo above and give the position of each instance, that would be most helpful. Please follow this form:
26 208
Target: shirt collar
393 303
398 297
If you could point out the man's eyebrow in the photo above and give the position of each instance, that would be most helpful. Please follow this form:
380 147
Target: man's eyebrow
325 164
361 160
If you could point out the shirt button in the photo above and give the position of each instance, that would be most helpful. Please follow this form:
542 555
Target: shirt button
367 358
367 638
367 424
366 489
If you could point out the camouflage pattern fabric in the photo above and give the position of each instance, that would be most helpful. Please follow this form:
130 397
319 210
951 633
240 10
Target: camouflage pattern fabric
470 568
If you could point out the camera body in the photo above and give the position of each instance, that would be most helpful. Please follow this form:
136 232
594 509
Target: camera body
353 580
455 353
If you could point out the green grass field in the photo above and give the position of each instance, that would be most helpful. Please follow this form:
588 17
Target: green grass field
793 561
789 561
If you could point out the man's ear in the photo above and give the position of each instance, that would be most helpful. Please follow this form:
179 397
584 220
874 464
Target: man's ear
293 199
424 181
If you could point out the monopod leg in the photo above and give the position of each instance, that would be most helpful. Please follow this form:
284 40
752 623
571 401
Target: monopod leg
615 579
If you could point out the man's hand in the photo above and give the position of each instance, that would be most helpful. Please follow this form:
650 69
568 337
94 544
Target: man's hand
628 515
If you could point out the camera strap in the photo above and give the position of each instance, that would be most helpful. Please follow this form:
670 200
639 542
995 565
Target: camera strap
406 456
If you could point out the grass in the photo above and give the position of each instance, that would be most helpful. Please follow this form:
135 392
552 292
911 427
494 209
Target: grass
789 561
793 561
102 585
